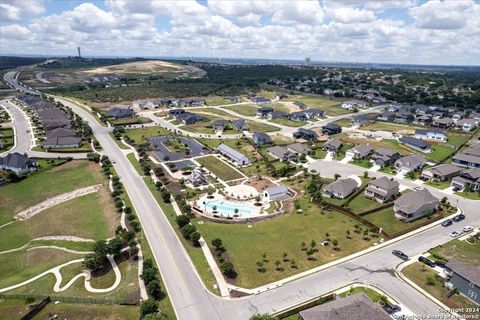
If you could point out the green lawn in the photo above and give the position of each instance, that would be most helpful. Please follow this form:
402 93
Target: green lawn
279 107
91 216
217 101
135 163
46 184
439 152
119 143
345 122
372 294
390 127
79 311
388 170
140 135
365 163
6 138
386 220
244 109
469 195
418 273
439 184
283 234
219 168
330 105
361 204
255 126
461 250
457 139
287 122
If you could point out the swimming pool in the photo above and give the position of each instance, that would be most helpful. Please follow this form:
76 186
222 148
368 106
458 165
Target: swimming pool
226 208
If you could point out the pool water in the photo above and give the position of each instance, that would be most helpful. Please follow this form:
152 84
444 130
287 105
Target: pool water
228 208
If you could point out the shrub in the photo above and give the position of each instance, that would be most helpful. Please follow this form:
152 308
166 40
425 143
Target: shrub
187 230
148 307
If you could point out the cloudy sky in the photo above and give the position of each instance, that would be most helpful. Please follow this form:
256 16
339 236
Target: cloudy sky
389 31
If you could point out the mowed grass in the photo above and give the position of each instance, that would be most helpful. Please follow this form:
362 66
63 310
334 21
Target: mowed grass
80 311
40 186
283 234
91 216
219 168
249 110
22 265
140 135
330 105
461 250
386 220
361 204
288 122
391 127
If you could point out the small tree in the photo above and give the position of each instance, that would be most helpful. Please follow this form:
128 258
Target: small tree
182 221
336 176
365 174
194 237
217 243
226 267
303 246
309 254
430 281
187 230
335 244
284 256
154 290
277 265
313 244
262 316
148 307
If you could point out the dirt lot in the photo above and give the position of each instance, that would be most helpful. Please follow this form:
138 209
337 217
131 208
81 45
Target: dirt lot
259 183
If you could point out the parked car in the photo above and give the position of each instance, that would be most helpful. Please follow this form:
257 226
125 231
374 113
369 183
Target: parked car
456 189
459 217
454 234
467 228
447 223
426 261
442 264
391 308
400 254
417 188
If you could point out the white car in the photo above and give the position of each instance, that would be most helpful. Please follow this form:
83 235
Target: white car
455 234
467 228
417 188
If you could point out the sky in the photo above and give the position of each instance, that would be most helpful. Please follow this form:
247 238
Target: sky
390 31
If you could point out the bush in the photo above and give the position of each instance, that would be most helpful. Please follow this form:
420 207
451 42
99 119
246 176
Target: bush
148 307
187 230
226 267
154 290
194 237
182 221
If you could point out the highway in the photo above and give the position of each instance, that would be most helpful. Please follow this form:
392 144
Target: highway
192 300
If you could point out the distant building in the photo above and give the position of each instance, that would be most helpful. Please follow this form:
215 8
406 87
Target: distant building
331 128
441 172
62 138
281 154
410 163
219 125
298 149
332 145
236 157
384 157
239 125
466 125
360 152
469 158
469 179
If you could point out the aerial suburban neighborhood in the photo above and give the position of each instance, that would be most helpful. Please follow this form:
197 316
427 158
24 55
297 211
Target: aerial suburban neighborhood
175 186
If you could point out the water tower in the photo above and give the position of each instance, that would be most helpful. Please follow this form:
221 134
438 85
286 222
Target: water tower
79 52
307 60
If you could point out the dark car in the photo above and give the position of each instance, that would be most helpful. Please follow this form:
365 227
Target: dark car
426 261
391 308
442 264
459 217
400 254
447 223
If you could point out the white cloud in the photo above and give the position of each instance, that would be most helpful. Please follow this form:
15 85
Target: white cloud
445 15
13 10
351 15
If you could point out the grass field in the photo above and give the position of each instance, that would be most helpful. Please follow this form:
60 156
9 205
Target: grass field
140 135
391 127
439 184
6 138
135 163
345 122
244 109
219 168
287 122
283 234
21 265
364 163
91 216
469 195
89 312
330 105
46 184
386 220
260 127
461 250
361 204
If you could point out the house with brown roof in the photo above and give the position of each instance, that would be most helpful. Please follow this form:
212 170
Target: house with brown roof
382 189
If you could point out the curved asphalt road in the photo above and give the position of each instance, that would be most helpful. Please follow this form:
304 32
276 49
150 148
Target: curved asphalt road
192 301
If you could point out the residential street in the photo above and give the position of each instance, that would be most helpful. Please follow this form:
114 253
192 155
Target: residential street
192 300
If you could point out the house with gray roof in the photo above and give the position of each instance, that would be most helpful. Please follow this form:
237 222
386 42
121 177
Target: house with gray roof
416 144
261 138
410 163
281 154
444 122
298 149
332 145
384 157
119 113
276 114
465 278
415 205
62 138
236 157
18 163
239 125
382 189
468 179
306 134
360 152
441 172
469 158
386 116
433 134
276 193
354 307
466 125
340 188
219 125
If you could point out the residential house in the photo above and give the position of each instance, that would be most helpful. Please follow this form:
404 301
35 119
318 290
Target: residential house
280 96
386 116
239 125
276 114
360 120
120 113
233 98
236 157
469 158
306 134
276 193
353 104
281 154
415 205
458 115
261 138
62 138
382 189
332 145
18 163
331 128
175 112
262 112
434 134
219 125
384 157
467 180
260 100
360 152
298 149
300 105
306 115
340 188
357 305
416 144
441 172
444 122
466 125
410 163
189 118
465 278
403 117
424 119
